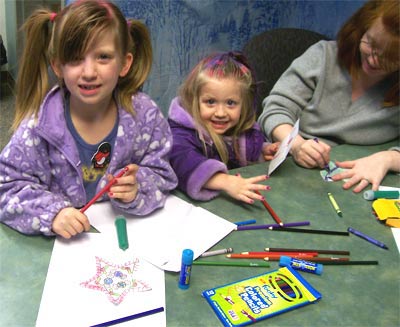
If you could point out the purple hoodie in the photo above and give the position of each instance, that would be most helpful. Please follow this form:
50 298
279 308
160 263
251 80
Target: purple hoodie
192 166
40 168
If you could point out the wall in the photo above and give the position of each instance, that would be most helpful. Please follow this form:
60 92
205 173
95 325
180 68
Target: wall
183 31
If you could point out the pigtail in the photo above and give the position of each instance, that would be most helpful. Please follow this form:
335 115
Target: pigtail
32 80
142 52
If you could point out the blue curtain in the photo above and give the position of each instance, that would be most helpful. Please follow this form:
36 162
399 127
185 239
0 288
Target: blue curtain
183 31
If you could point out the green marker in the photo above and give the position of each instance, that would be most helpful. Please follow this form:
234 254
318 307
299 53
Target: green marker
237 264
120 224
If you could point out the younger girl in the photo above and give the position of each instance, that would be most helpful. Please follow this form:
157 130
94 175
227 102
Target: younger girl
214 129
93 124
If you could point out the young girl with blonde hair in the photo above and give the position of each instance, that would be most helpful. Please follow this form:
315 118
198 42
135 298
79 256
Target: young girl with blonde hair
214 130
69 141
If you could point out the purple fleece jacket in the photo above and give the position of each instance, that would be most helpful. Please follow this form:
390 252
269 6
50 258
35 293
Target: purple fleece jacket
40 168
192 166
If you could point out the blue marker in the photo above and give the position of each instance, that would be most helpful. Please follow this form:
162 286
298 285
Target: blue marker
186 269
307 266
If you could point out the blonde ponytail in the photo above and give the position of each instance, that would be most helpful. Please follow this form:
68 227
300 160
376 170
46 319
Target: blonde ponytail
32 80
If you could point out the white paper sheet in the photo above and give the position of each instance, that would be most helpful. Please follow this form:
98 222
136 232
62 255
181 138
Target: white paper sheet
396 235
284 149
161 237
65 302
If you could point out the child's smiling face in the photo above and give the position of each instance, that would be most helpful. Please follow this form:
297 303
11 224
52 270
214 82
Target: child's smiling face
220 104
93 78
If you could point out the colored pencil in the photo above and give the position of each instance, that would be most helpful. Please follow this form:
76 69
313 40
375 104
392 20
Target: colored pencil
254 227
309 231
345 263
263 256
313 259
270 210
287 253
104 189
231 263
308 250
128 318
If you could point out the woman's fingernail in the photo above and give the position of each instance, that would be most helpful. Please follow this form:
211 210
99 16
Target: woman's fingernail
110 194
266 177
268 187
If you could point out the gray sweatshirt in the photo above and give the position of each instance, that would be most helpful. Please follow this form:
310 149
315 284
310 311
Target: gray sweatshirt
318 91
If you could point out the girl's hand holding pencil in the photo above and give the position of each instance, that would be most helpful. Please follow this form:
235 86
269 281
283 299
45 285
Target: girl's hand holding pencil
70 222
125 188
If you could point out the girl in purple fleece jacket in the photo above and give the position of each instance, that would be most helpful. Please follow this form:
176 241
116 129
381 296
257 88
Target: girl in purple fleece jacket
213 127
68 144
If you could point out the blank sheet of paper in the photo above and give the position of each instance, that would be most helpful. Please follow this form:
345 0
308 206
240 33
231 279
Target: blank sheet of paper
162 236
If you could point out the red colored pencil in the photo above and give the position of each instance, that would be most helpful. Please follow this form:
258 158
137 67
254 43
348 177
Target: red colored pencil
104 189
287 253
270 210
308 250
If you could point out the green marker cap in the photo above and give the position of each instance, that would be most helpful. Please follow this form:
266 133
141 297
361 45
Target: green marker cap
120 224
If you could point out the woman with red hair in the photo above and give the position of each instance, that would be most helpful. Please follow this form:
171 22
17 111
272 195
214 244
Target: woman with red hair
344 92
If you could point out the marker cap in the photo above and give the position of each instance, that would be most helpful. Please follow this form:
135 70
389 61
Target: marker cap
120 224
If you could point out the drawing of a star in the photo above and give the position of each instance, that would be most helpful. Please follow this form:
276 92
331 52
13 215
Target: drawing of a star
116 280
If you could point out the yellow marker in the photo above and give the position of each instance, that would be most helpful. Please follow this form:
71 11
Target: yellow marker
334 204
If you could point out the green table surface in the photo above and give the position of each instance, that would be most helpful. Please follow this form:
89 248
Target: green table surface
351 295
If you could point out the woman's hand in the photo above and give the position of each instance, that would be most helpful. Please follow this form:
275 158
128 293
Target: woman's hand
310 153
372 169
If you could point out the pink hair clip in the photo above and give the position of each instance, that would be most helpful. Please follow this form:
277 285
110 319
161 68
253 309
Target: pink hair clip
53 16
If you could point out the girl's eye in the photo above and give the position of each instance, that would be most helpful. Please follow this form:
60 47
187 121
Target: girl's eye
210 101
75 62
104 56
231 103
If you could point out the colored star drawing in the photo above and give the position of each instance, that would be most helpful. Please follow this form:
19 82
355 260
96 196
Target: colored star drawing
116 280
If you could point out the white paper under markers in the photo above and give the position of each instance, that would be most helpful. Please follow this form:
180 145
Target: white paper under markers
65 302
284 149
161 237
